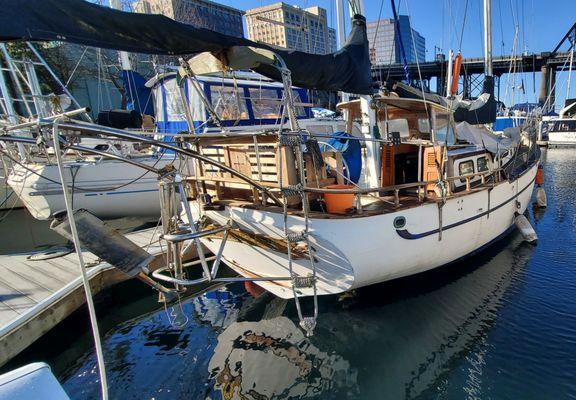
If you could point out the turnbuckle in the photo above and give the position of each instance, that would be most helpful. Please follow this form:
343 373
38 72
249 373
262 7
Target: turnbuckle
308 324
301 282
292 190
296 237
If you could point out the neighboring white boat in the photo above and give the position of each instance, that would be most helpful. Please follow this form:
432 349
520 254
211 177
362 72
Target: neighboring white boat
8 199
107 188
562 130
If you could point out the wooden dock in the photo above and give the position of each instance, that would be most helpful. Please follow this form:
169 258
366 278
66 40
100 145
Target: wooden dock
37 295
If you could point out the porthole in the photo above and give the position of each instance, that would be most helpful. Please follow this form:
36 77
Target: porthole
399 222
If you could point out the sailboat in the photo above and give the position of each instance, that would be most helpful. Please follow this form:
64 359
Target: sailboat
99 182
284 211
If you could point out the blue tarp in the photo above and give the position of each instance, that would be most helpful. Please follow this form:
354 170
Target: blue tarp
138 96
351 153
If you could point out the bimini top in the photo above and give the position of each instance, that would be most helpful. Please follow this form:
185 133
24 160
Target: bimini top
81 22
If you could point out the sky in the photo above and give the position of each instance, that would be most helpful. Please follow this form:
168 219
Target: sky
541 24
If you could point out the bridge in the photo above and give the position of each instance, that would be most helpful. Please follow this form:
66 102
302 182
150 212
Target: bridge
472 70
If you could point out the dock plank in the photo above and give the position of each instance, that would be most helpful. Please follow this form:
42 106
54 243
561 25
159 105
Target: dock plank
7 314
16 300
37 295
17 284
45 279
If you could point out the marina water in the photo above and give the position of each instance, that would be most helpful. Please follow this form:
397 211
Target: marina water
499 325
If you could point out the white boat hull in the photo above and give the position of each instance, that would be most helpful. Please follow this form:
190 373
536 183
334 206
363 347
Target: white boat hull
356 252
108 189
8 199
561 138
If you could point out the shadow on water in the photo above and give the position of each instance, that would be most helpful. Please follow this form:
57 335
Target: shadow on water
497 325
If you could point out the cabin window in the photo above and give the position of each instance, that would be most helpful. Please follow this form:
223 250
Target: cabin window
444 132
482 164
265 103
564 126
398 125
174 107
466 167
228 103
424 125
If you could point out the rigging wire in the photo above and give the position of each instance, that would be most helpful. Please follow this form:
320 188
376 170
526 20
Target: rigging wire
81 265
463 24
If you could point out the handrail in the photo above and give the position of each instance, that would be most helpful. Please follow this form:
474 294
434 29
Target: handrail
96 129
397 187
46 120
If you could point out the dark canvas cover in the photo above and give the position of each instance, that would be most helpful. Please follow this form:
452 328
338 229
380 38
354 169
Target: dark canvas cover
85 23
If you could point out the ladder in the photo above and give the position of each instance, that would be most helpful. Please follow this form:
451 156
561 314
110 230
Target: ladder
294 140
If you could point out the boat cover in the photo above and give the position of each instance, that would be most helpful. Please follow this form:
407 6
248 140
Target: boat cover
479 111
81 22
482 137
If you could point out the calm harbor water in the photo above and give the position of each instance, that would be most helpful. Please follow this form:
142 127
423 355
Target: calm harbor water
501 325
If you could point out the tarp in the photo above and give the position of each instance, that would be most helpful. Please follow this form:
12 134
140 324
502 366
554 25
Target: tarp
351 153
81 22
479 111
496 144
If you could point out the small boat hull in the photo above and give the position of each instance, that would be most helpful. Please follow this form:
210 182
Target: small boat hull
108 189
562 138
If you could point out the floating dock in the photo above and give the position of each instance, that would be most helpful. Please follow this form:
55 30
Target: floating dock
35 295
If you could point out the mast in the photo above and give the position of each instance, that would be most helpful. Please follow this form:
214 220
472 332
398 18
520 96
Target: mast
488 37
572 41
340 26
122 55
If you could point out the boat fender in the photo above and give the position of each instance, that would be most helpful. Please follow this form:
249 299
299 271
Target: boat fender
540 176
525 228
540 197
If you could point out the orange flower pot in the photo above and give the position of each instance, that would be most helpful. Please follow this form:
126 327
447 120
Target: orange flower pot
339 203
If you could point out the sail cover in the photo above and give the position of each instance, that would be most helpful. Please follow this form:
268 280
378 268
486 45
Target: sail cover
479 111
81 22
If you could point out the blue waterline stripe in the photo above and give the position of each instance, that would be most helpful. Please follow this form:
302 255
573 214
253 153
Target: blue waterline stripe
404 234
126 192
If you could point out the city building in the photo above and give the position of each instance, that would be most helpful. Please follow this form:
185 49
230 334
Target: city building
291 27
332 40
385 49
198 13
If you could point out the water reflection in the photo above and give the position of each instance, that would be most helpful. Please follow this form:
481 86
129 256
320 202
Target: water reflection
396 340
273 359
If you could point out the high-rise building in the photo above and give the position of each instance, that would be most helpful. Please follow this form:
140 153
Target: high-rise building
384 46
199 13
290 27
332 40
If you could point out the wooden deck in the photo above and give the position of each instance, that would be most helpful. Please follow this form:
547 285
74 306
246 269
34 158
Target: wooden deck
37 295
